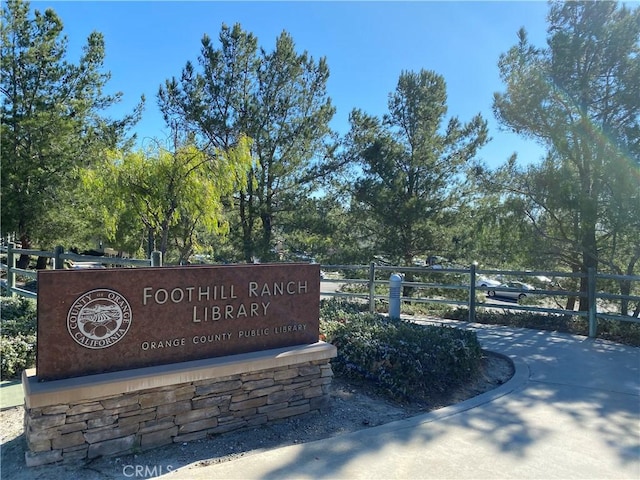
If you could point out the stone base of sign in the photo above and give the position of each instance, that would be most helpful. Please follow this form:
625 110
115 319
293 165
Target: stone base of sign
122 412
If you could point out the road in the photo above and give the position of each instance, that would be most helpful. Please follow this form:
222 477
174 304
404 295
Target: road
327 288
495 303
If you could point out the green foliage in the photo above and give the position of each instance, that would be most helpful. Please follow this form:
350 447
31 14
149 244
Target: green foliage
314 226
412 164
405 360
18 316
621 332
50 121
418 308
173 194
276 98
627 333
579 97
335 309
17 353
18 336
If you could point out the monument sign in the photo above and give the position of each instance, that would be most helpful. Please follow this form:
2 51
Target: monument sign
97 321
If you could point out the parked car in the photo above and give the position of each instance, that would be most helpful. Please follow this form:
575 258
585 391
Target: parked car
84 265
482 281
517 290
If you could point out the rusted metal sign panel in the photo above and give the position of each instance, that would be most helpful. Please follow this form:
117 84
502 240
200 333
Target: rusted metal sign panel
95 321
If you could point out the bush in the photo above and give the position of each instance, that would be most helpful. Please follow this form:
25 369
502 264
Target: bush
17 353
622 332
627 333
334 309
18 316
409 362
18 339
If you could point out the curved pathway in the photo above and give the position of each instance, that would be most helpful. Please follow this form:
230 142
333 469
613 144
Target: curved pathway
571 411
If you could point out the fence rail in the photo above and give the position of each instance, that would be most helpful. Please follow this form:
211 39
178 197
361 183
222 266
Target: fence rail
468 281
372 282
58 256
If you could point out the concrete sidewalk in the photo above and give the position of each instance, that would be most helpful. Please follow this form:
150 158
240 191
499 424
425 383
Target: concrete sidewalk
572 410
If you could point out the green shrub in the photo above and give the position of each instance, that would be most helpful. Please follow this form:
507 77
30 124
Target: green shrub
618 331
334 308
409 362
17 353
627 333
17 307
417 308
18 319
18 316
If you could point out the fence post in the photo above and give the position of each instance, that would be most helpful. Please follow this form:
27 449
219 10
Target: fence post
372 287
11 264
472 293
58 263
156 258
591 298
395 286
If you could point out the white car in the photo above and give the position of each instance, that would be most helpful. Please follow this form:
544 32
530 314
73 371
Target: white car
517 290
85 265
486 282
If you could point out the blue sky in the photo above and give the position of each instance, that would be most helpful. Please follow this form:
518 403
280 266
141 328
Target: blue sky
367 46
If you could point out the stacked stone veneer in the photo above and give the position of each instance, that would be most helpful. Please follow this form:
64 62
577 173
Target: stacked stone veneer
72 423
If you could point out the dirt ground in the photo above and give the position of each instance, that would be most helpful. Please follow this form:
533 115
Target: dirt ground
352 407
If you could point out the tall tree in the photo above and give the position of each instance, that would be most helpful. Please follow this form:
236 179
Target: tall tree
413 168
580 97
51 122
169 195
279 100
502 236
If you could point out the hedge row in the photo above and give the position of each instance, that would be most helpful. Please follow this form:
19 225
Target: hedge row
18 336
627 333
407 361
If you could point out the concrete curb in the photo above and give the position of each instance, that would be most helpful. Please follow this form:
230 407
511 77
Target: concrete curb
256 465
518 381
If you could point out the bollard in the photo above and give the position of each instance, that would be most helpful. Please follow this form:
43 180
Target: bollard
395 286
156 258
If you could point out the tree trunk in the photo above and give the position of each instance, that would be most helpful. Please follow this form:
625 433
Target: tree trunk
625 286
267 232
247 227
164 238
407 290
571 301
589 246
625 289
24 260
151 244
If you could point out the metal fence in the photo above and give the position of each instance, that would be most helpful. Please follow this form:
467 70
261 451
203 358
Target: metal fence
459 287
58 257
372 281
